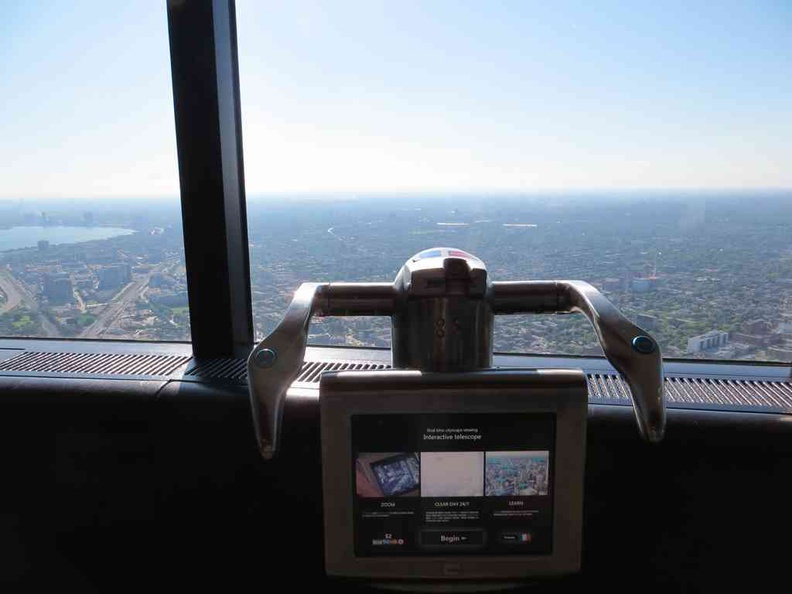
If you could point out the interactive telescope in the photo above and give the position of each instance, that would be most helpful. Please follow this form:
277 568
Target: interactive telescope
445 467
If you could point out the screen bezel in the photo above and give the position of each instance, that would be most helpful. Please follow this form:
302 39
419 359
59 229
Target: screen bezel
344 394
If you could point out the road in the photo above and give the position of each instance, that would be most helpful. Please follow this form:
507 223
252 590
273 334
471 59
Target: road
12 293
124 301
17 293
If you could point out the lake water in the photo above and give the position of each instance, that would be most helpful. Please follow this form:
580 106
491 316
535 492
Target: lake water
16 238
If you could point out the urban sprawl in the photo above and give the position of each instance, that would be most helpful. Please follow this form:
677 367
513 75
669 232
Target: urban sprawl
709 277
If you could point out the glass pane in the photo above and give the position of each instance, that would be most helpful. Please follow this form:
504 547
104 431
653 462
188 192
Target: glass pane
90 225
641 149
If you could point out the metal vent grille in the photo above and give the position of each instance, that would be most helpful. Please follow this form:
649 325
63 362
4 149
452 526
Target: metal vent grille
94 363
312 370
775 395
681 391
230 369
236 369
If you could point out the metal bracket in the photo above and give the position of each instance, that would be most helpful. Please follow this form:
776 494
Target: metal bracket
633 353
275 363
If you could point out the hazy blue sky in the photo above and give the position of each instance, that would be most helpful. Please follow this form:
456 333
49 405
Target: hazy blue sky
410 96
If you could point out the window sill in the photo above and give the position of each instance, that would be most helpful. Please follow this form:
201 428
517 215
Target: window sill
697 385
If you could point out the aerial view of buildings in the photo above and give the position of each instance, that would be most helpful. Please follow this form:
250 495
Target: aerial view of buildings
130 286
679 266
517 473
709 276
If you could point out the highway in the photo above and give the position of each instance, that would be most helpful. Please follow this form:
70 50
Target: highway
12 293
17 293
123 302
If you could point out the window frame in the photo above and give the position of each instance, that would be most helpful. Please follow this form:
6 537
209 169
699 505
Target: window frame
206 101
207 116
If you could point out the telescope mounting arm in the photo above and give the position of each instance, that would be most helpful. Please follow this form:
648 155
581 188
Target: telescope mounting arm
631 351
275 363
277 360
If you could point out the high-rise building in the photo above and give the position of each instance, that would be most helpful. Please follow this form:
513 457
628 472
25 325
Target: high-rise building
115 276
711 340
58 288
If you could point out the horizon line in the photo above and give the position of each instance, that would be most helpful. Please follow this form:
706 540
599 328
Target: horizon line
382 193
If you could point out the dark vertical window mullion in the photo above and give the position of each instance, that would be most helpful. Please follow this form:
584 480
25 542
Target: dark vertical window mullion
209 141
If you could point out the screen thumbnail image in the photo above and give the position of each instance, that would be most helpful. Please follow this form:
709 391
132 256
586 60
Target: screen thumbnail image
517 473
452 474
387 475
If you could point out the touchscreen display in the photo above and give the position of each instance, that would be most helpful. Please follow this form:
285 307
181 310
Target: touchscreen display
435 484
